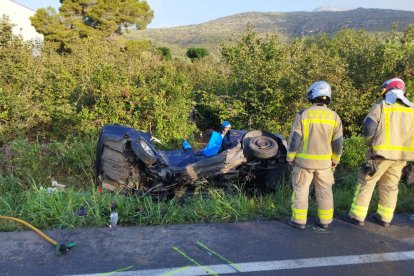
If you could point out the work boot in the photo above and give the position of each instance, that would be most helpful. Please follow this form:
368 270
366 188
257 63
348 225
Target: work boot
353 221
378 219
320 224
296 225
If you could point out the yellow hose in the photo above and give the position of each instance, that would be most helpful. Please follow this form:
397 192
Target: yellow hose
52 241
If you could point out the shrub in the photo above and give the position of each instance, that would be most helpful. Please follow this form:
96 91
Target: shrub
165 52
196 53
354 152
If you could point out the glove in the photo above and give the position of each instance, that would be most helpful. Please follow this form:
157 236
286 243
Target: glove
369 167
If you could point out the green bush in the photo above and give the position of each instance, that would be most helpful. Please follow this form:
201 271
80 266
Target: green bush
196 53
165 52
51 96
354 152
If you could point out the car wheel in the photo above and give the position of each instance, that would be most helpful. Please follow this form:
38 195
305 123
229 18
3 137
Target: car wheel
262 147
252 134
144 151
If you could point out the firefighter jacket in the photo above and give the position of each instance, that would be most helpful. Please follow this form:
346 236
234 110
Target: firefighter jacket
389 129
316 138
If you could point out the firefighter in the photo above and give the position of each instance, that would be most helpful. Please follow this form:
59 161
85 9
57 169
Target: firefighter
388 130
315 147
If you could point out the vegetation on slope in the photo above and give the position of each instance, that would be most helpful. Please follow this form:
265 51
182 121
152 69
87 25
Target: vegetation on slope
288 25
53 104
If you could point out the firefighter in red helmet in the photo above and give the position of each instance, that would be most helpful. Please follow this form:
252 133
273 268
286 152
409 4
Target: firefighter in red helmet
388 130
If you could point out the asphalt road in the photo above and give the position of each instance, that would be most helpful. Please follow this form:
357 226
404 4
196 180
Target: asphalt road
251 248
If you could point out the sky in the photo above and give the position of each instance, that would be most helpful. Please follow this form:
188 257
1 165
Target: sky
171 13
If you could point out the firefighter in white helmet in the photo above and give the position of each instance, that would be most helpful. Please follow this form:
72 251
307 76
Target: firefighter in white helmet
388 130
315 147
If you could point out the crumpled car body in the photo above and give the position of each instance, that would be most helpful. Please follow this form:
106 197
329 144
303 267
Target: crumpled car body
128 161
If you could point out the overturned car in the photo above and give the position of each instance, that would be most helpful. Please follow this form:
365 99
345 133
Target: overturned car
127 161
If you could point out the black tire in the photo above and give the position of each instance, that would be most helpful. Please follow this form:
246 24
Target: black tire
245 142
252 134
144 151
262 147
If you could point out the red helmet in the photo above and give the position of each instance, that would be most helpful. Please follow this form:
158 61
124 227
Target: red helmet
394 83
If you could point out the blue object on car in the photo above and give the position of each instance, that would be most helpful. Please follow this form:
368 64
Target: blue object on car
213 145
186 145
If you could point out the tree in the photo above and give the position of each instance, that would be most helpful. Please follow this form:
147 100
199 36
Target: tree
408 35
6 31
78 19
196 53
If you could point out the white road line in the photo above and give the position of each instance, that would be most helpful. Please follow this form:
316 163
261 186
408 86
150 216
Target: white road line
274 265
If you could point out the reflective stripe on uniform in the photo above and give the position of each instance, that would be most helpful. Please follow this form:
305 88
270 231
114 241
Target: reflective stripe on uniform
314 156
385 212
336 157
390 147
398 109
387 127
291 155
358 210
387 123
320 121
299 213
306 123
325 214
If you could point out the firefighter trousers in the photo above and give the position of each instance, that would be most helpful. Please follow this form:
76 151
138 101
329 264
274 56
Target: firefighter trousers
301 180
387 176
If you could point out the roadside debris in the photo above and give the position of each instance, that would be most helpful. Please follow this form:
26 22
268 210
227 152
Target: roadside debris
155 139
113 217
58 186
49 190
82 212
54 188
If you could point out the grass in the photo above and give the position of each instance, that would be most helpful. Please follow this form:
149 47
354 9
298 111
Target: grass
39 163
60 210
27 169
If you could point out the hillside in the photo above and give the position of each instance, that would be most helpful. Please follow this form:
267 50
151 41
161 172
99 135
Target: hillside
291 24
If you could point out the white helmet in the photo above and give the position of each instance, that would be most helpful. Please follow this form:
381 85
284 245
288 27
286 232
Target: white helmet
319 89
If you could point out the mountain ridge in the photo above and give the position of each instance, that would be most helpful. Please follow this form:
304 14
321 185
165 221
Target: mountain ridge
287 24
